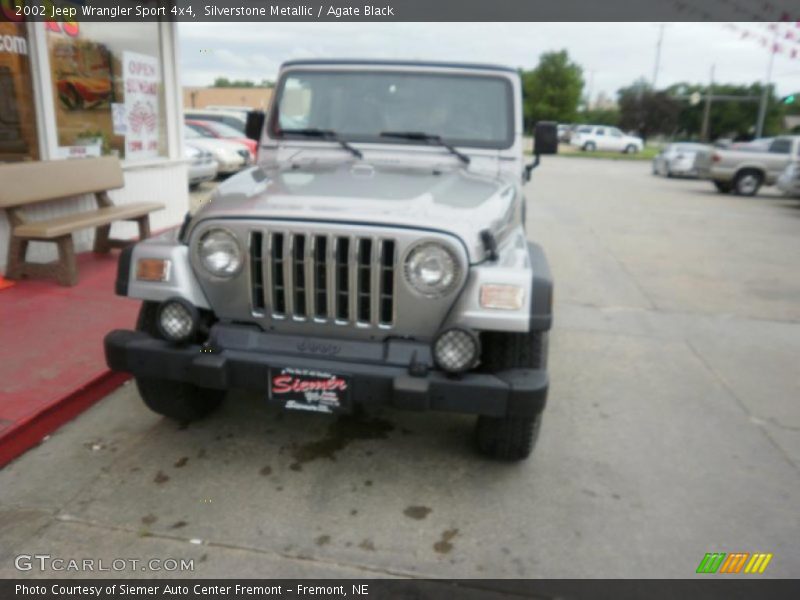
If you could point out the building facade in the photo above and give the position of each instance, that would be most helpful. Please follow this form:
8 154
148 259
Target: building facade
74 90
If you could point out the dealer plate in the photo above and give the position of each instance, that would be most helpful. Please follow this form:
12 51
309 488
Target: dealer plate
306 389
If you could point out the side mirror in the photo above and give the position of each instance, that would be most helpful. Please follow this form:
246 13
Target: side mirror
545 141
255 124
545 135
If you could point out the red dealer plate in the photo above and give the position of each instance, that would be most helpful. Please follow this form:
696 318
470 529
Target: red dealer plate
305 389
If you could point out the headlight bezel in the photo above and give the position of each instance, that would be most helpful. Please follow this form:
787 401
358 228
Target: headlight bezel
202 262
456 276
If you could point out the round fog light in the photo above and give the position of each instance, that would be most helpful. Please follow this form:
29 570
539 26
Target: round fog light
177 319
456 350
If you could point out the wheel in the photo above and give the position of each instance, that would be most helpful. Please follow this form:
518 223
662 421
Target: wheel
631 149
723 187
589 147
748 182
510 438
177 400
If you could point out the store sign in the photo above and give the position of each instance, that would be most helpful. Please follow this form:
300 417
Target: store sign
13 44
142 79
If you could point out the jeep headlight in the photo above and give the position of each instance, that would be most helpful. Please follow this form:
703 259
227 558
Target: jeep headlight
432 269
219 253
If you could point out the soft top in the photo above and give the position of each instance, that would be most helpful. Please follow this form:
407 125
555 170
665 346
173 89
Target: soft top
396 63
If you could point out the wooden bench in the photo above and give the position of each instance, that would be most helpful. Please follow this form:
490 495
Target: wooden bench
24 184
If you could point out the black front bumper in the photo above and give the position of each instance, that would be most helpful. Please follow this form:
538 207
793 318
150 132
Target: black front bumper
394 372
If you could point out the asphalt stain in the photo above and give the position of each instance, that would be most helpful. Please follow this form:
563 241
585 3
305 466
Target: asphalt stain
367 545
353 512
179 524
341 433
161 477
323 539
279 488
368 482
265 471
201 453
417 512
149 519
443 546
181 462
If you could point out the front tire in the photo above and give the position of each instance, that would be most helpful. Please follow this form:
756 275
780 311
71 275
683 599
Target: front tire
589 147
176 400
631 149
510 438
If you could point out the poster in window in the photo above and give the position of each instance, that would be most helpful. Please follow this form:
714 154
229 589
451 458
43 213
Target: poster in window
142 78
82 73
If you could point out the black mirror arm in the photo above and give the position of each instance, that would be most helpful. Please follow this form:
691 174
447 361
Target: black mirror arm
530 167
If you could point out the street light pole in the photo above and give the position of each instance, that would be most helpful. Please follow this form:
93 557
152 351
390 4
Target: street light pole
705 134
658 53
762 108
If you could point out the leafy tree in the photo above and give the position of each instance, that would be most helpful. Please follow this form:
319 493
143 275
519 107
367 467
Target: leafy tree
728 118
648 111
224 82
552 91
599 116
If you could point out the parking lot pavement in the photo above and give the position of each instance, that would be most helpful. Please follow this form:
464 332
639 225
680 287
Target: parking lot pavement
672 430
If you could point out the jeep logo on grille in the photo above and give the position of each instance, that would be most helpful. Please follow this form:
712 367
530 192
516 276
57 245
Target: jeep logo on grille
319 348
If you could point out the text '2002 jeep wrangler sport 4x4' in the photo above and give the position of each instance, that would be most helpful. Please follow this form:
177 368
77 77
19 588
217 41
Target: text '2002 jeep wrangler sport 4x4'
376 255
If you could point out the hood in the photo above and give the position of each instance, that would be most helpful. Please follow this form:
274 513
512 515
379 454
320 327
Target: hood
451 200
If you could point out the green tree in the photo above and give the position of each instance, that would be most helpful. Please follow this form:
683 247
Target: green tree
599 116
224 82
728 118
552 91
647 111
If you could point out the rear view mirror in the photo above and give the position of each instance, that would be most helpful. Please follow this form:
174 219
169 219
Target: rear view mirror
545 136
254 125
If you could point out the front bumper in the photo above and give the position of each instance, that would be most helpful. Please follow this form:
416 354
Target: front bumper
393 372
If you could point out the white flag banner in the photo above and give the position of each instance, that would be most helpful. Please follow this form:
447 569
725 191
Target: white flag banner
142 79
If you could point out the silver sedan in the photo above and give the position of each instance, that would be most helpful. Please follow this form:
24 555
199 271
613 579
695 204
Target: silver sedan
677 160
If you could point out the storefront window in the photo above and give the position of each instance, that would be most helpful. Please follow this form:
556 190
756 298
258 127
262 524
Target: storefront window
108 89
18 139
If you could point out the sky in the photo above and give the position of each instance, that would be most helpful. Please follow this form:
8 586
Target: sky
612 55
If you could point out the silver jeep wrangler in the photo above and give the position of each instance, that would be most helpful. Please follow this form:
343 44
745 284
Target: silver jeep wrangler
375 255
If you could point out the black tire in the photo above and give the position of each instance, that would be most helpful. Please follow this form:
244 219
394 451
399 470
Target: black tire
510 438
748 182
723 187
176 400
630 149
589 147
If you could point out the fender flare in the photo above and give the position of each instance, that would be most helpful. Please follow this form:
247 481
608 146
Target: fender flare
541 300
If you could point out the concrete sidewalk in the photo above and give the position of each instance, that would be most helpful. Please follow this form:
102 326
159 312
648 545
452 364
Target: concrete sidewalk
673 428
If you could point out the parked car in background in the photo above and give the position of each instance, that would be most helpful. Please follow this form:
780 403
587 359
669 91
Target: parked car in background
214 129
789 181
202 166
745 170
564 133
235 119
759 144
231 157
601 137
678 159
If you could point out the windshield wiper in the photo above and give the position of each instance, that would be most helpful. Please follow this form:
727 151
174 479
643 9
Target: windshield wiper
427 137
327 134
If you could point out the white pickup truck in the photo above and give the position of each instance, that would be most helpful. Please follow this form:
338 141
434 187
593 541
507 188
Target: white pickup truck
744 171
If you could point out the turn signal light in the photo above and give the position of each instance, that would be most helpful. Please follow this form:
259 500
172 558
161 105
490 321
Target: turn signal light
505 297
152 269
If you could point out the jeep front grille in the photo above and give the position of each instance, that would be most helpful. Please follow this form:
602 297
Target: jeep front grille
323 277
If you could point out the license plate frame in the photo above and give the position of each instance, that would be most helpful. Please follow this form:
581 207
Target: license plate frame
309 390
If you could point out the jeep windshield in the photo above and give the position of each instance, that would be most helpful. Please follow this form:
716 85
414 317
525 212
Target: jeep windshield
461 110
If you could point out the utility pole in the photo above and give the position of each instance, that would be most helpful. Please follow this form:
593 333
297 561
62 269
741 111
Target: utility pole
658 53
762 108
705 133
